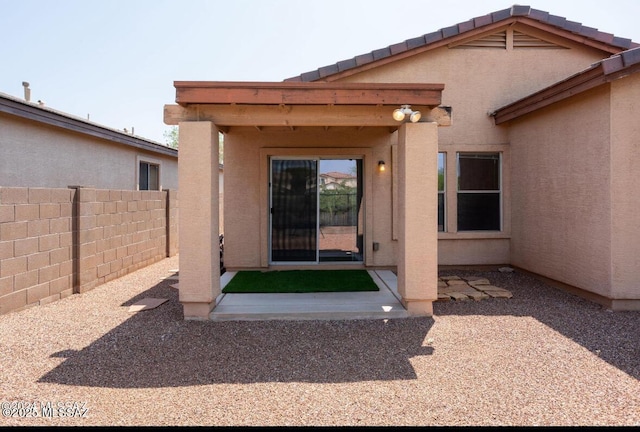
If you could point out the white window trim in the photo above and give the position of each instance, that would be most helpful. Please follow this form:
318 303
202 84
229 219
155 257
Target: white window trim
149 160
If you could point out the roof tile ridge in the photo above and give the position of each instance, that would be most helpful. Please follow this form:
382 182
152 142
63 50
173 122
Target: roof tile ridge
426 39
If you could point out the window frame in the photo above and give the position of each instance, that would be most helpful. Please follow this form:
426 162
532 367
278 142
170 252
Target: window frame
442 192
499 191
149 161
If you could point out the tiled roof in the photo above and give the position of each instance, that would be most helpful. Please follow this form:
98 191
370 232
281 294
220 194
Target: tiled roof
618 62
337 175
513 13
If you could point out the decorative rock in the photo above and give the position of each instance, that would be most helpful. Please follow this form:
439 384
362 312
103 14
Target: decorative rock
453 282
468 290
498 293
489 288
458 296
472 278
477 296
450 289
473 287
479 282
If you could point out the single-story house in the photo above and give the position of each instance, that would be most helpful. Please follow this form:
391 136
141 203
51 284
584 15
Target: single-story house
505 139
43 147
80 203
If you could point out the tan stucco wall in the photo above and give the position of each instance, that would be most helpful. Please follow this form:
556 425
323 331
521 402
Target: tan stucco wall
199 212
478 81
561 201
417 207
625 185
246 191
473 251
37 155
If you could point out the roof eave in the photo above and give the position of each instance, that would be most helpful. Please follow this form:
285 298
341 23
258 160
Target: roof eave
52 118
603 72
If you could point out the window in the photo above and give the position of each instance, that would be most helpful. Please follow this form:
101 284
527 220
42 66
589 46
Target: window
149 176
441 189
479 191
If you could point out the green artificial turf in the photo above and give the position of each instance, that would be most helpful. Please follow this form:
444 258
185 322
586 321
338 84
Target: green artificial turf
300 281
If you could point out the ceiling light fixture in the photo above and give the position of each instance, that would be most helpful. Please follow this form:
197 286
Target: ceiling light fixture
401 113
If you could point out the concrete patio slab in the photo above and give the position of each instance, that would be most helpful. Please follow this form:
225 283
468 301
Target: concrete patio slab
312 306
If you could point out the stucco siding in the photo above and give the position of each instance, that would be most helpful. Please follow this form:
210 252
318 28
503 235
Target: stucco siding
242 201
625 185
246 192
36 155
561 200
478 81
473 251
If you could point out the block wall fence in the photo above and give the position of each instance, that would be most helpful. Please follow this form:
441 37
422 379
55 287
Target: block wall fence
58 242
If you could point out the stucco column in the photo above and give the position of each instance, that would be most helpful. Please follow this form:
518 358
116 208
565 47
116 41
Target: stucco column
198 225
418 212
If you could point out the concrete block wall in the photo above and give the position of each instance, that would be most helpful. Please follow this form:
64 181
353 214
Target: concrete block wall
56 242
36 242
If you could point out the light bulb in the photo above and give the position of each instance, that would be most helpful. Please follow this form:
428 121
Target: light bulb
398 114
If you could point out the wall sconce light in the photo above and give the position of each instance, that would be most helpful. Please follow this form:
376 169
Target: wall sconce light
381 166
399 114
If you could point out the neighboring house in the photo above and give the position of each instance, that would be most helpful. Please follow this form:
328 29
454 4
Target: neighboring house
332 180
43 147
524 155
80 204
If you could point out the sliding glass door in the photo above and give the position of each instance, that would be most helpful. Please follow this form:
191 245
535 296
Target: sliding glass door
294 209
316 210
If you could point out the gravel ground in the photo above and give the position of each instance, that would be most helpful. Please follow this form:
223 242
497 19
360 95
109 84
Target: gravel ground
543 357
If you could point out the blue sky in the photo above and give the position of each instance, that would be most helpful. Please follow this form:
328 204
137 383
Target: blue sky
116 60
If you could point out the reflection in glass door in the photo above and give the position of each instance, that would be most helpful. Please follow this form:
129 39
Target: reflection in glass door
294 209
340 210
316 210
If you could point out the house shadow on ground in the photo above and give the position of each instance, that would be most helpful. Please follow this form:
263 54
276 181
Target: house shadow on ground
613 336
157 348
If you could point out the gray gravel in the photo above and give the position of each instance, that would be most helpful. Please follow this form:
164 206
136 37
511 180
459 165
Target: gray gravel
544 357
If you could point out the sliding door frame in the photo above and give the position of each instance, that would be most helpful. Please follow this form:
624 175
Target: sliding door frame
267 154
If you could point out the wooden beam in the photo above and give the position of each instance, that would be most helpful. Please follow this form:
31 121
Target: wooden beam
293 116
300 93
